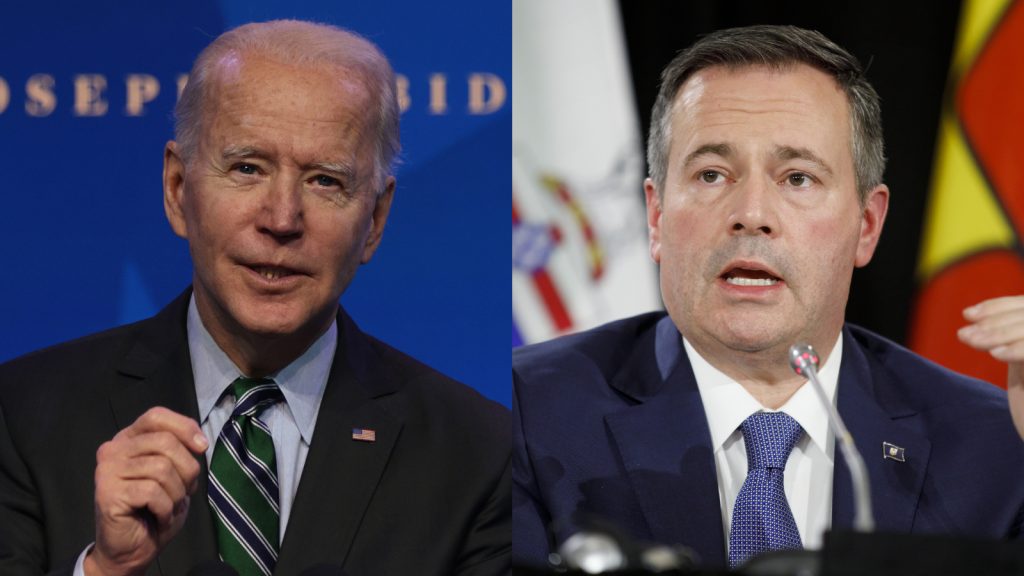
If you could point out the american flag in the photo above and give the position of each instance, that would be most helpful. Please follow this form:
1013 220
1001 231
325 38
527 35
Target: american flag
367 435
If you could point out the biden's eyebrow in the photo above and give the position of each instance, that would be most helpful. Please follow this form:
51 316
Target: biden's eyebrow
718 149
232 152
784 153
341 169
235 152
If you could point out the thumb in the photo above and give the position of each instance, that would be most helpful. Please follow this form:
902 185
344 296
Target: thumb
1015 394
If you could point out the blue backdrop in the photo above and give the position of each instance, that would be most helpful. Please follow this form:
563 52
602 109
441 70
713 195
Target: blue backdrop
87 246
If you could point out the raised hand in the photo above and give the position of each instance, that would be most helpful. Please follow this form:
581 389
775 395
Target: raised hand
144 479
998 328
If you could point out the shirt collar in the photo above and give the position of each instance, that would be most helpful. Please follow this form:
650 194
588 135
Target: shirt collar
302 382
727 403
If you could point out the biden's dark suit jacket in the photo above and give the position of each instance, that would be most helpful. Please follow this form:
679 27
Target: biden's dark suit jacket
611 422
431 495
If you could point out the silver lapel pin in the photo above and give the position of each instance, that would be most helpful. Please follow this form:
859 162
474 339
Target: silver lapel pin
892 451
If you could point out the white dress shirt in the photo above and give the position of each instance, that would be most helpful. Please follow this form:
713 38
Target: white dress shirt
291 422
808 474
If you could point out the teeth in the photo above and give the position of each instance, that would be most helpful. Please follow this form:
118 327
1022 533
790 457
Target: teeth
751 281
269 273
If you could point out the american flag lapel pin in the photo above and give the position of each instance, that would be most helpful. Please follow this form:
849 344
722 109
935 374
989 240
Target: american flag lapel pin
892 451
364 435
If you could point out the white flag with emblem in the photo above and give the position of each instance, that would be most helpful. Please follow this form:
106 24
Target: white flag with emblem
580 253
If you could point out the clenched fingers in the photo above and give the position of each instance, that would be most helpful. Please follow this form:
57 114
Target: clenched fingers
150 495
166 447
144 477
160 419
151 468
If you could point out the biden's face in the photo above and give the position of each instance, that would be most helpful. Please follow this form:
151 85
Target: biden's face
760 226
277 204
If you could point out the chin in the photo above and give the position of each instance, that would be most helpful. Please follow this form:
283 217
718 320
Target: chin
269 328
751 344
274 320
752 335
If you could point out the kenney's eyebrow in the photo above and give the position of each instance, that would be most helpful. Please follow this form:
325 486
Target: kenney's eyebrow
784 153
720 149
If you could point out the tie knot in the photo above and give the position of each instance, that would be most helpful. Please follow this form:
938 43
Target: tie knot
253 395
769 437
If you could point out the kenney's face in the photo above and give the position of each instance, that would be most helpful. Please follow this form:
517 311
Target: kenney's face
760 227
277 205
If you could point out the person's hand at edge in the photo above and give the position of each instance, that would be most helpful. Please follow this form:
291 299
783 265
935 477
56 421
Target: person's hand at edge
997 327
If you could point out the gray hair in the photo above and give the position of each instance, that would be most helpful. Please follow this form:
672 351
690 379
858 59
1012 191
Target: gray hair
775 48
302 44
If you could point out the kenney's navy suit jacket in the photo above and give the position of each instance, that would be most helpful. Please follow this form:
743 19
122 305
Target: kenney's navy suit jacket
610 422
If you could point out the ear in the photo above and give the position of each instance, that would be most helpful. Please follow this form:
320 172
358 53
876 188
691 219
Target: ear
174 188
875 208
653 219
380 216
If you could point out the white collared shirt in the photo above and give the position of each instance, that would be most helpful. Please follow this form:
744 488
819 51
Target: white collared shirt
808 475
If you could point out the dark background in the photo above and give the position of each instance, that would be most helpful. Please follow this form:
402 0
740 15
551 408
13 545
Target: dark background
906 46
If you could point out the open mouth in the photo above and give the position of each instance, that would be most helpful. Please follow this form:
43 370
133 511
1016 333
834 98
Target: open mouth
272 272
746 277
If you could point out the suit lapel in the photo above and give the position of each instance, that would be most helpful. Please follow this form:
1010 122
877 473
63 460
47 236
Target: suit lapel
159 371
665 446
340 474
873 418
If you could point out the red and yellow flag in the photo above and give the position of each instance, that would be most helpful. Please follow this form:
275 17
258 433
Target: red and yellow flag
971 249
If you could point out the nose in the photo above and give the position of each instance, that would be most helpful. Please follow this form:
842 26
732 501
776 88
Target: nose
281 212
754 210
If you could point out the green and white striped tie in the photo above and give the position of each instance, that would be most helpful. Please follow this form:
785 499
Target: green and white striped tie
243 488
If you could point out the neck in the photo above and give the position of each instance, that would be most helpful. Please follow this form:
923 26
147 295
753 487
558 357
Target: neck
259 355
766 373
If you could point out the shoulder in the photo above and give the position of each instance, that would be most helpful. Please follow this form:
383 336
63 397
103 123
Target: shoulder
920 381
43 392
603 349
586 373
78 365
66 363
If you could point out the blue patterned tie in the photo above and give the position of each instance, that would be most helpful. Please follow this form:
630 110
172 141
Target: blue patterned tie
762 519
243 490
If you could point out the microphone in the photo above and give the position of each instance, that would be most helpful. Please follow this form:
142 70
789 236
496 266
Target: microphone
212 568
804 361
601 546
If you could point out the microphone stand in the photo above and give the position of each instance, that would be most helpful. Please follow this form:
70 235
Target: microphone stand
856 553
804 361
